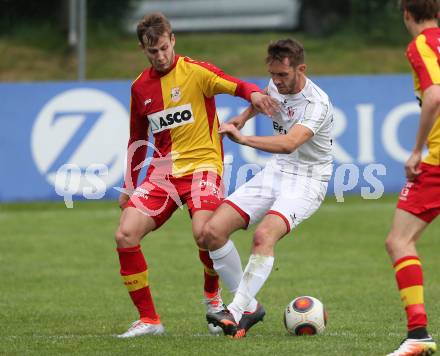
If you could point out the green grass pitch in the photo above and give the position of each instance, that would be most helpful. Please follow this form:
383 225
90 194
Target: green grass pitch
61 292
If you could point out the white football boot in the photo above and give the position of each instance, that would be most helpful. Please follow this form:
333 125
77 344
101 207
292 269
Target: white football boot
415 347
139 328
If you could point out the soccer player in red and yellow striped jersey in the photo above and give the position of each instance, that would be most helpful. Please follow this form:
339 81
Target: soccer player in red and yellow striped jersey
174 100
419 201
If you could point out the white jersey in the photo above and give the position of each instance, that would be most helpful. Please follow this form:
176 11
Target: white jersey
310 107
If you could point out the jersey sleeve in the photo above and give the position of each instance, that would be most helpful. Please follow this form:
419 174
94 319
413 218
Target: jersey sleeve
138 131
424 62
315 114
272 89
214 81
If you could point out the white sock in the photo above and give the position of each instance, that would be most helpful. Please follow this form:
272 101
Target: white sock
252 306
227 264
255 274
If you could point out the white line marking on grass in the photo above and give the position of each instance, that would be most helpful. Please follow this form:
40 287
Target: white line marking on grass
96 336
201 335
56 337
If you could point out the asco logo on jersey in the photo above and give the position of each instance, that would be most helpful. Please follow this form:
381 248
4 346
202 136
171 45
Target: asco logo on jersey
79 141
170 118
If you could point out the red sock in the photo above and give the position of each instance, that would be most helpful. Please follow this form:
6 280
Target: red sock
211 277
134 272
409 276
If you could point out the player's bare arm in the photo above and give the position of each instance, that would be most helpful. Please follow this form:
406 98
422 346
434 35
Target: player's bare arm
428 115
240 120
273 144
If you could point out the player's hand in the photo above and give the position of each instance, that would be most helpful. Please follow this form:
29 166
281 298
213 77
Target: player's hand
232 132
264 103
412 165
237 121
123 200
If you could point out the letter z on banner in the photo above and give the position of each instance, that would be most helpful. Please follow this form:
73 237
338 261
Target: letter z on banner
82 127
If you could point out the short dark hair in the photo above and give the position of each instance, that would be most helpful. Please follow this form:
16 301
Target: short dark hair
287 48
151 27
421 10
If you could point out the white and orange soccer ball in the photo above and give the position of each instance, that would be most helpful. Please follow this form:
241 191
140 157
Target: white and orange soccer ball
305 315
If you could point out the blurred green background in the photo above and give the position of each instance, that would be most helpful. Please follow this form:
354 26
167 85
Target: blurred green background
340 37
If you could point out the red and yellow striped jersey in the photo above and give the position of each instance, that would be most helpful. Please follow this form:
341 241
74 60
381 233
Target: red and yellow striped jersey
178 108
423 54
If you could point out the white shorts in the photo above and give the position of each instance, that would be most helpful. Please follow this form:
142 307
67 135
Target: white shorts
292 197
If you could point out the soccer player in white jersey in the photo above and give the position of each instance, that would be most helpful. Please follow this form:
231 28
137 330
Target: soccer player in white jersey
287 191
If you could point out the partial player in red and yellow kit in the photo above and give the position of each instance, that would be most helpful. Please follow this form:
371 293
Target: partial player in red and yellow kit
419 201
174 100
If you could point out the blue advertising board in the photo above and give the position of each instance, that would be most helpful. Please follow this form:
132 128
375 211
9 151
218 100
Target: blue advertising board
71 137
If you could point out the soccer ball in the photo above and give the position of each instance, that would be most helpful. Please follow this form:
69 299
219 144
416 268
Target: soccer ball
305 316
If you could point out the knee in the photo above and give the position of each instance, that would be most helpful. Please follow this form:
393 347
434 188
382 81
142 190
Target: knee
261 240
200 239
211 237
389 243
125 238
396 243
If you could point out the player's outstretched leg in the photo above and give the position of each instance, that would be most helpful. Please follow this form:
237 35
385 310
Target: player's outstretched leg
212 292
214 304
225 320
248 320
134 272
401 246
